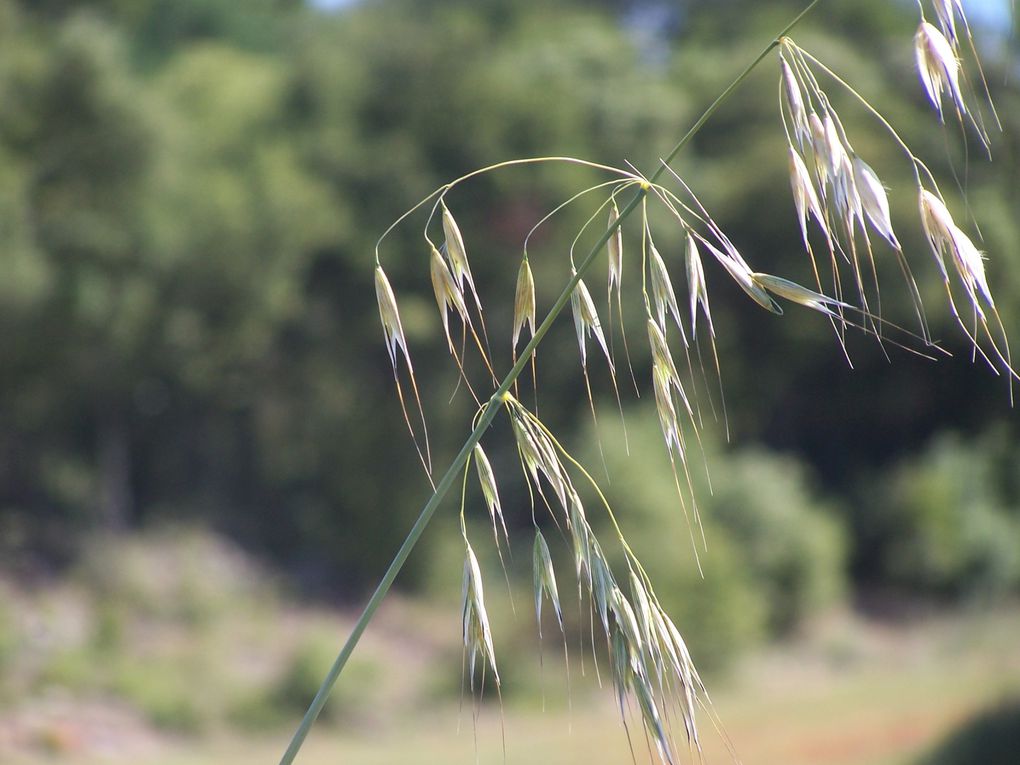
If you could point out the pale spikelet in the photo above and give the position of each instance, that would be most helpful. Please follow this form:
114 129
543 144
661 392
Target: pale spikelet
844 190
392 328
874 201
544 580
643 611
938 66
805 198
795 101
448 294
938 227
615 248
487 480
662 362
524 301
624 615
455 249
820 149
477 632
795 293
662 290
580 537
696 284
667 414
586 321
602 584
969 262
741 274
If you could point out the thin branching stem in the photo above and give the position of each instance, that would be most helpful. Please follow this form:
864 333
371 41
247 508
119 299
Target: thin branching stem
497 400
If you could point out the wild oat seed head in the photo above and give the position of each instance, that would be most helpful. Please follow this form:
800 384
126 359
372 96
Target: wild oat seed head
874 201
625 618
390 316
447 292
662 291
969 262
938 227
741 274
796 293
805 199
615 248
455 250
662 359
820 149
544 580
586 320
477 632
524 301
487 481
946 11
938 66
696 284
795 101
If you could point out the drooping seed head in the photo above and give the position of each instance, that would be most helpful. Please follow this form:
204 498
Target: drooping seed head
796 293
696 284
615 248
667 414
938 67
448 293
662 291
477 632
820 149
741 273
874 201
938 227
455 250
544 580
487 481
805 199
795 101
524 301
586 320
626 620
393 330
970 266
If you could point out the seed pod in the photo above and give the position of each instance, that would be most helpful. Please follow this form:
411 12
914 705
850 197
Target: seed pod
477 632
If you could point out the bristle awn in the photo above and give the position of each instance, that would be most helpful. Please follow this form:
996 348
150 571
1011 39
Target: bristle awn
393 331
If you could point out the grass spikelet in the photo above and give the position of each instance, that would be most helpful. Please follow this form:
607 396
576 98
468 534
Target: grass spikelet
586 321
625 618
795 102
524 301
741 273
614 246
874 201
696 285
938 67
456 252
393 330
805 198
448 294
488 483
544 580
795 293
477 632
662 290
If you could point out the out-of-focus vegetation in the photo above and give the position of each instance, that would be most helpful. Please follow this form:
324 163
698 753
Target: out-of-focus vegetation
991 737
189 197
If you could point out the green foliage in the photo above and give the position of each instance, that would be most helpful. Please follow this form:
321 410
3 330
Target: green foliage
947 522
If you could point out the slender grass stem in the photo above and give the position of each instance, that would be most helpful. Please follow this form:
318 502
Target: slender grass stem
495 404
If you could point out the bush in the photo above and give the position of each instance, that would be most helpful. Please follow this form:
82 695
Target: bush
944 522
